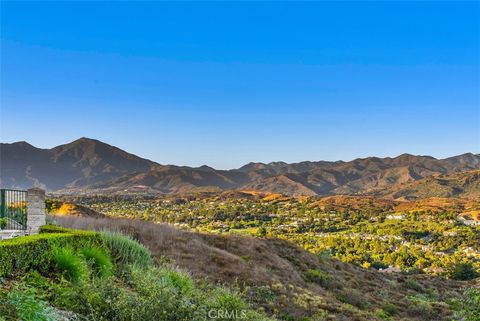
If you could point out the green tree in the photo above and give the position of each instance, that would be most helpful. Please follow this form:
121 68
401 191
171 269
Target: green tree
462 271
262 231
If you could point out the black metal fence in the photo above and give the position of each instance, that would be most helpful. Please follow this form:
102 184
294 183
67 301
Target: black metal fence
13 209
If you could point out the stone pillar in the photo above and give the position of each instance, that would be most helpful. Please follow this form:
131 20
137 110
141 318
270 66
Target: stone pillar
35 209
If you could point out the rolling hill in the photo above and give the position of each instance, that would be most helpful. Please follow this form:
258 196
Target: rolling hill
286 281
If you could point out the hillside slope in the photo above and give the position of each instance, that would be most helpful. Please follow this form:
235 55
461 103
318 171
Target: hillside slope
464 185
287 281
89 276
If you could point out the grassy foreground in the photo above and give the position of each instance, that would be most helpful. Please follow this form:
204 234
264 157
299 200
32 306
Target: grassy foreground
64 274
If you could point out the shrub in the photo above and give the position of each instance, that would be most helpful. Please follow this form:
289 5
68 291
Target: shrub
21 304
421 306
422 309
262 231
3 223
173 291
224 300
320 315
49 228
317 276
470 305
143 279
34 252
463 271
263 294
382 314
99 260
414 285
69 264
353 297
153 293
390 309
126 251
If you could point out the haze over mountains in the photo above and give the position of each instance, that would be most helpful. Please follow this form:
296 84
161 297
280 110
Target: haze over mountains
88 165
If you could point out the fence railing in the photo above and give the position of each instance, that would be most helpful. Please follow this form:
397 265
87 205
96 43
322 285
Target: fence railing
13 208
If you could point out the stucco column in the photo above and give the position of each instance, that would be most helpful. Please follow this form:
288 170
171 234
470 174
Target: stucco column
35 209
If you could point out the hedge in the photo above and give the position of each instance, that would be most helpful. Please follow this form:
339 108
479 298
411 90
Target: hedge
22 254
58 229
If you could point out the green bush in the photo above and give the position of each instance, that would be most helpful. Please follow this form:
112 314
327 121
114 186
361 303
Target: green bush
49 228
174 291
3 223
152 293
470 305
320 315
99 260
224 300
125 251
21 304
69 264
317 276
104 300
34 252
414 285
353 297
463 271
421 306
263 294
382 314
390 309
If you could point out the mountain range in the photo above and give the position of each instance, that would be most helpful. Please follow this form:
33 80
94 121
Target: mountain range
91 166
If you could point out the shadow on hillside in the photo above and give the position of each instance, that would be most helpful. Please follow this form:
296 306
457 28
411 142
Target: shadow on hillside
276 274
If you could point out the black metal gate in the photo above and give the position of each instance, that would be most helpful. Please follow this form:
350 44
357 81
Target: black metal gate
13 209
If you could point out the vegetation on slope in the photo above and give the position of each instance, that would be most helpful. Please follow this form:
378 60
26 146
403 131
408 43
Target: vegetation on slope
290 283
466 185
426 236
70 277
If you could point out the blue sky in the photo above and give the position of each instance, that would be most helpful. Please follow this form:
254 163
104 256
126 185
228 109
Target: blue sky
224 84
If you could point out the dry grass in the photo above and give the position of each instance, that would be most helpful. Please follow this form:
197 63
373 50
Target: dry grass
254 264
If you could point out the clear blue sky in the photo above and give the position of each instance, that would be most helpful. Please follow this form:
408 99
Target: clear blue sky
227 83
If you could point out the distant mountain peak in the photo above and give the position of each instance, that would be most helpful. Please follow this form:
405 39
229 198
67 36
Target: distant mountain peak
79 163
85 139
23 144
277 164
407 155
252 166
205 168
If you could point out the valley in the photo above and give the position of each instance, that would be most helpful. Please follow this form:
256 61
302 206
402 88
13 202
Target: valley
431 236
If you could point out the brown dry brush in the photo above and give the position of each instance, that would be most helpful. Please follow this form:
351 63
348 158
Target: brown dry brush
261 267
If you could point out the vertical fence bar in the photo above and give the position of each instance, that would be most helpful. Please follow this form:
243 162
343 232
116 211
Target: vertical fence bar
2 205
14 208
